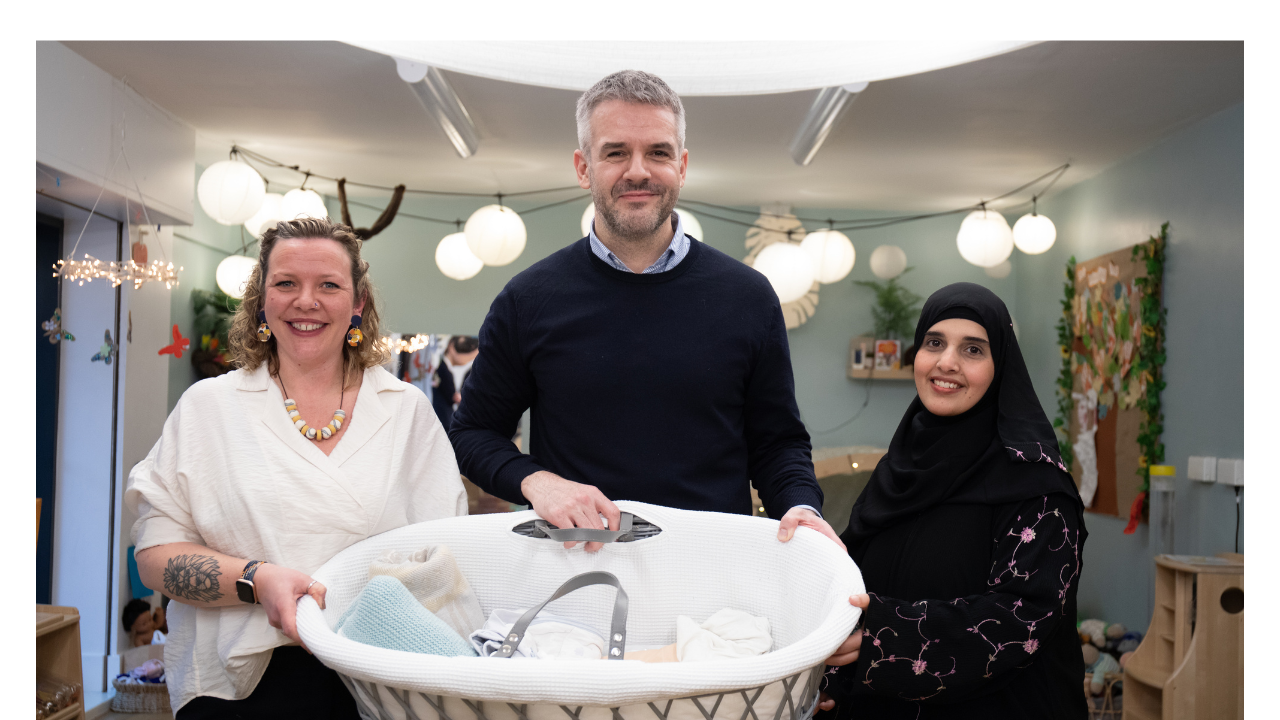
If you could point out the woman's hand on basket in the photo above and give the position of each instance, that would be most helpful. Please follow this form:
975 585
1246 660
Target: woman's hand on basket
804 517
848 651
278 591
567 504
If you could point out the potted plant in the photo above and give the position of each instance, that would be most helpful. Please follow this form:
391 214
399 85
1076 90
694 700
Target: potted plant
214 310
895 312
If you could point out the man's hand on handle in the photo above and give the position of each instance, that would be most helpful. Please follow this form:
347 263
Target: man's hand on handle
567 504
804 517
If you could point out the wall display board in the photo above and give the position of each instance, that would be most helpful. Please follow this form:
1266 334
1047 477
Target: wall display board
1112 345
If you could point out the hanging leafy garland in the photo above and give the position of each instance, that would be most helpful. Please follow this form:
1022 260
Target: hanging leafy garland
1066 337
1151 355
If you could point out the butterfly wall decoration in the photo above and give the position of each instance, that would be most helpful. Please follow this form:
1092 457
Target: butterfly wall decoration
179 344
53 328
108 349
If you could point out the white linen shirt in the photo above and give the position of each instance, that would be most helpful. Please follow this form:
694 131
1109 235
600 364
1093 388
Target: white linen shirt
231 472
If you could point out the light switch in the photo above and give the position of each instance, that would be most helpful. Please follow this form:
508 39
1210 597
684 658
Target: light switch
1202 468
1230 472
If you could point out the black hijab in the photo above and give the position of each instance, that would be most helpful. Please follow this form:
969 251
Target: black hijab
1001 450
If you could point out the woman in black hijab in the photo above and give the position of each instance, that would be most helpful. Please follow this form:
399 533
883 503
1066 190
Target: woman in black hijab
969 537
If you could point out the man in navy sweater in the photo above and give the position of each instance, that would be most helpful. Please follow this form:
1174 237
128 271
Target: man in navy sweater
656 367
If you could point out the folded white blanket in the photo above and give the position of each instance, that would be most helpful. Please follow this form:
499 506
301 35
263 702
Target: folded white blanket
432 576
547 637
728 633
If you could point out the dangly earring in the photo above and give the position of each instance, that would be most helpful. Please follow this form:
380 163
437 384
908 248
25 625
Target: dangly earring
264 332
354 336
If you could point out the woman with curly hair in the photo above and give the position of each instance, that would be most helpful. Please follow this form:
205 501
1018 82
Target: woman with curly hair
263 474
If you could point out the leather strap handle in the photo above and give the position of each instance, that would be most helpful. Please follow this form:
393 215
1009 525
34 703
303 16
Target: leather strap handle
617 632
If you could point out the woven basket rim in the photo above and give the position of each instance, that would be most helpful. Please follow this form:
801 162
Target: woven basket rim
139 688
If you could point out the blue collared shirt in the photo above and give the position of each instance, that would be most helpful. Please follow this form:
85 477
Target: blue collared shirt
670 258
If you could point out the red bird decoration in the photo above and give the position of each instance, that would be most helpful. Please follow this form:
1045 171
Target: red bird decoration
179 344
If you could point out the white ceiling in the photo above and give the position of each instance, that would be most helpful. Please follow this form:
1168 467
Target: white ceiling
931 141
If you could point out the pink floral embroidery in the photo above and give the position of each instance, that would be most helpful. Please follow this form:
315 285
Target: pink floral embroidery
918 664
1010 615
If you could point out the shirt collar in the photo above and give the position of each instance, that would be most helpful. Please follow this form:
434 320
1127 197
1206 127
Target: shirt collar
674 248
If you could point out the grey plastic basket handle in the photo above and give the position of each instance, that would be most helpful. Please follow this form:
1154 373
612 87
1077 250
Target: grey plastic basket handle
587 534
617 632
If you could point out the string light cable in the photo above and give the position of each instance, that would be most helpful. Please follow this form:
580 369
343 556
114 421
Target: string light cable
122 271
842 225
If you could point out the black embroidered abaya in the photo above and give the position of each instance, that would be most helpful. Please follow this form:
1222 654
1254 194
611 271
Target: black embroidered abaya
968 537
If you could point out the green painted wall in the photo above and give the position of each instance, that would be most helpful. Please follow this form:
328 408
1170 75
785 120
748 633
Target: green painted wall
1195 181
199 262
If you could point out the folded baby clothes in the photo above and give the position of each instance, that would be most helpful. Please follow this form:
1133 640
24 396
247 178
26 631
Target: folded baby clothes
547 637
432 576
386 615
728 633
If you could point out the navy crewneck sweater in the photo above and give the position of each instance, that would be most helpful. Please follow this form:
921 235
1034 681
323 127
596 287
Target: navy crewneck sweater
673 388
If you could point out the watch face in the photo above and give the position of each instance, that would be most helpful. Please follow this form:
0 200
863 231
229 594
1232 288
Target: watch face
244 591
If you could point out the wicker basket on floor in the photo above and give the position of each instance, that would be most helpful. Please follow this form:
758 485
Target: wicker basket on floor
140 697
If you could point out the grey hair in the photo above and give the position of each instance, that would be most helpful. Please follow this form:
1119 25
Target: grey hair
636 86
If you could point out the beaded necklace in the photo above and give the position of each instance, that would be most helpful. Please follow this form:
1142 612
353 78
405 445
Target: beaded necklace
307 431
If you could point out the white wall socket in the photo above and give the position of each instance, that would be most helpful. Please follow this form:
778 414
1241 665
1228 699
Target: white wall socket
1230 472
1202 468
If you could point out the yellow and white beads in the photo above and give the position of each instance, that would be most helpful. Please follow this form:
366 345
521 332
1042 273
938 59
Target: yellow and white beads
310 433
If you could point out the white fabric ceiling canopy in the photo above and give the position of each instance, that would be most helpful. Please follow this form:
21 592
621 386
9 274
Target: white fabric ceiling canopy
707 68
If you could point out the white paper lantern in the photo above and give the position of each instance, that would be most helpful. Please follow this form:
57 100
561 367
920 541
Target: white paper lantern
985 238
267 217
230 192
692 227
788 268
832 254
999 271
299 203
455 259
587 216
233 274
888 262
495 234
1033 234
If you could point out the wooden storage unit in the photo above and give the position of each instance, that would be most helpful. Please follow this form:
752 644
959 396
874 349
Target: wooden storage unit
58 651
1191 661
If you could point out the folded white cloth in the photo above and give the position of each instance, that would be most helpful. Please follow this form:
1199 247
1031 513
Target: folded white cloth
432 576
728 633
547 637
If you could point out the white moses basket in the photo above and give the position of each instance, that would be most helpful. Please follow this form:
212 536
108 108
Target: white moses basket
691 563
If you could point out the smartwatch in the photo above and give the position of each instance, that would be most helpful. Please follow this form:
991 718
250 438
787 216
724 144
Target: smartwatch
244 586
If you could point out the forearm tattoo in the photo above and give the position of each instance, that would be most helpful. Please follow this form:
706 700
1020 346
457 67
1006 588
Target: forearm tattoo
193 577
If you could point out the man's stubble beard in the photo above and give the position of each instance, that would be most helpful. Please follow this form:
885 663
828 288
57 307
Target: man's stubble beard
634 228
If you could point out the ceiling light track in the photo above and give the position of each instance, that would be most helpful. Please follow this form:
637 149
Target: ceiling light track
823 116
442 104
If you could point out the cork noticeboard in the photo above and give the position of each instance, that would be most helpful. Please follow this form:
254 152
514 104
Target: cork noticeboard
1104 427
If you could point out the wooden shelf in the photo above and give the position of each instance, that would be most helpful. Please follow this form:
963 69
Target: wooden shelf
50 622
58 651
1178 672
906 373
67 713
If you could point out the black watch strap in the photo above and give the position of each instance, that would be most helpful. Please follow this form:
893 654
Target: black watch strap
245 590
